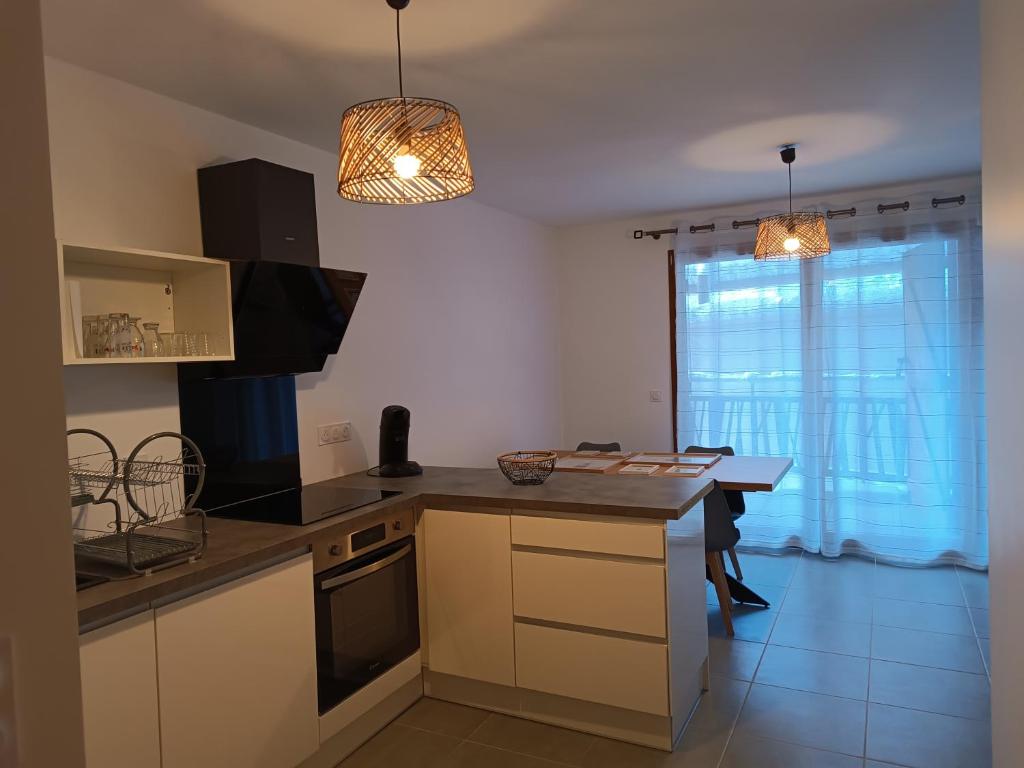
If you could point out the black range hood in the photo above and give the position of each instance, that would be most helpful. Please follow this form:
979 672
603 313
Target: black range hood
289 313
288 318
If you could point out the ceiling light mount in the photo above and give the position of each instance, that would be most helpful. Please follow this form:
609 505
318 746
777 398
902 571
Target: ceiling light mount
403 150
791 235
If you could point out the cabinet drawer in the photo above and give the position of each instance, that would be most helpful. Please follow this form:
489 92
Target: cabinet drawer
630 539
607 594
606 670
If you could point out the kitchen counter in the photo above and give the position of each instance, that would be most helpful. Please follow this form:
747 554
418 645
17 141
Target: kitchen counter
234 545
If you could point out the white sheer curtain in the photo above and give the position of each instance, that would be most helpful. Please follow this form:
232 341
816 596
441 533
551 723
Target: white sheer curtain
865 366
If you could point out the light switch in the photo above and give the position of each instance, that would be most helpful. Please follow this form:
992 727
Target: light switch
8 725
655 395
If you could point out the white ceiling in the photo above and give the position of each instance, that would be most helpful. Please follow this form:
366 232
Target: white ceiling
579 109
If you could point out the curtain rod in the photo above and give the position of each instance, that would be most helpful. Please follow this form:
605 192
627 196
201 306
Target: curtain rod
883 209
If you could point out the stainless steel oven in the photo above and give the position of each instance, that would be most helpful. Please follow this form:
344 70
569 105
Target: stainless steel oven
367 611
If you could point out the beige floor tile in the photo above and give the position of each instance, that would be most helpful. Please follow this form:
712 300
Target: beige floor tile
844 603
976 595
814 671
609 753
814 572
443 717
748 752
737 659
751 623
769 592
927 740
919 585
926 649
398 745
980 618
822 634
719 706
697 749
930 617
933 690
472 755
809 719
531 738
776 570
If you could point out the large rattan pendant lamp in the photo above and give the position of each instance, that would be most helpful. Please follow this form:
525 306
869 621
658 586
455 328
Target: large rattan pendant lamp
791 235
404 150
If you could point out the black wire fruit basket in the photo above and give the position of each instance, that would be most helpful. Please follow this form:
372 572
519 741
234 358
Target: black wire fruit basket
527 467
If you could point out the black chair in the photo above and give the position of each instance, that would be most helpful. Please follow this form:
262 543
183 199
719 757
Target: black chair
733 498
720 535
603 447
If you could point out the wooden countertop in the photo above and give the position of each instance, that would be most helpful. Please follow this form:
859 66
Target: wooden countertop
234 545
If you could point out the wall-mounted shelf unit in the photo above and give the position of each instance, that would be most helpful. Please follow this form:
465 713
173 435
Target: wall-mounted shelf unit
182 293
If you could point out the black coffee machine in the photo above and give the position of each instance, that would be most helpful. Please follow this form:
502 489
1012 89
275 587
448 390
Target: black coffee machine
394 444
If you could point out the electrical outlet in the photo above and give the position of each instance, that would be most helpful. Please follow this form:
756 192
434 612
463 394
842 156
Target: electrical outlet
655 395
329 434
323 434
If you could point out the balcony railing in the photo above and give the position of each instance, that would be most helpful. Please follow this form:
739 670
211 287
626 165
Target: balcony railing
864 436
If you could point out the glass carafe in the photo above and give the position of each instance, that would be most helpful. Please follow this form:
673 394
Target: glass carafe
152 344
135 342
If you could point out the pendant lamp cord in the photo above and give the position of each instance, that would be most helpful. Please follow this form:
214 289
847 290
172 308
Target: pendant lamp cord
398 36
789 167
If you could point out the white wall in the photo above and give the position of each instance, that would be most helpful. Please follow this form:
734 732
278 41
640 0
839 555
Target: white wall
40 697
456 321
615 323
614 335
1002 105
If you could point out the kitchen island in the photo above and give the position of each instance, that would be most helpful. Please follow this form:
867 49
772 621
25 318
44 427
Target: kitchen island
579 602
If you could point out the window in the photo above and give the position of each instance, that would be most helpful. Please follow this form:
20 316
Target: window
864 366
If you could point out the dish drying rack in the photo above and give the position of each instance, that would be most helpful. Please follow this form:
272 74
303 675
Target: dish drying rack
152 496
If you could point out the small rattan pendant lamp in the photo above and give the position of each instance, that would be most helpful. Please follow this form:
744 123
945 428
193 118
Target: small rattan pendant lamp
400 151
791 235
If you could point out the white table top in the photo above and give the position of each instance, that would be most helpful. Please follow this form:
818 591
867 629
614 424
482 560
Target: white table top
749 473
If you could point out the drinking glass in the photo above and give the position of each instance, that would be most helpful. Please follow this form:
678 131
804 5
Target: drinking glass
167 340
152 341
89 323
201 344
99 339
112 345
182 346
135 341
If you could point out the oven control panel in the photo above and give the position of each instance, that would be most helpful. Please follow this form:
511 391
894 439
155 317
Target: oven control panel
365 534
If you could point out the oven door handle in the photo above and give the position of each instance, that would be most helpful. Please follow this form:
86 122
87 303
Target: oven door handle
366 570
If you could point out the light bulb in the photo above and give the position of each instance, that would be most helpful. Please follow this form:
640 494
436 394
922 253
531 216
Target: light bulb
407 166
791 244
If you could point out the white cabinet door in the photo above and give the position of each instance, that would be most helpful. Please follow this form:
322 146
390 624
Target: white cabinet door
119 694
237 672
468 558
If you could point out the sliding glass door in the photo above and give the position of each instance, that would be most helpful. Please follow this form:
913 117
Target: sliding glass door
866 367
